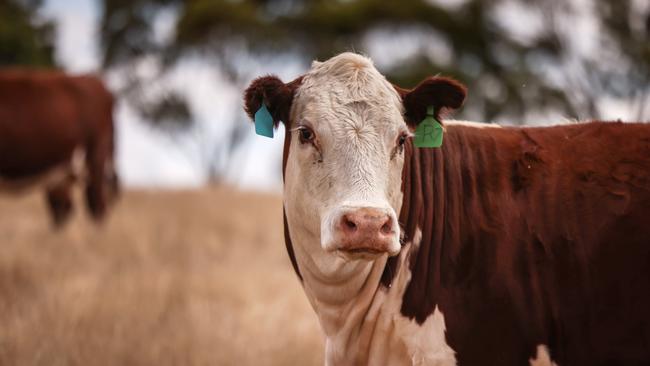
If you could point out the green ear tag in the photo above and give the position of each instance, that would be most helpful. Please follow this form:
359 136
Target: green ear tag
263 122
429 132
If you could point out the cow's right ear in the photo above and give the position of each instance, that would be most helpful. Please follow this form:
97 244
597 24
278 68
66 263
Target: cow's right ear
276 95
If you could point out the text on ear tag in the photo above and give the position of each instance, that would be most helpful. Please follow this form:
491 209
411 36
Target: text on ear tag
264 122
429 132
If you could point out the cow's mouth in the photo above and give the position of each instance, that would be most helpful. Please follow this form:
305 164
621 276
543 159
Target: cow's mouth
361 253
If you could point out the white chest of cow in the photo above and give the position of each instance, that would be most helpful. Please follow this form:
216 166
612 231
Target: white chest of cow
406 341
382 336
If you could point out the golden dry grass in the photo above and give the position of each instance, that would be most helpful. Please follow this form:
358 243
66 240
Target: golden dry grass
172 278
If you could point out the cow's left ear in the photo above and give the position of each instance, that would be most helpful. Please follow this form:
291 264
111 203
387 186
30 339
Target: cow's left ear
440 92
276 95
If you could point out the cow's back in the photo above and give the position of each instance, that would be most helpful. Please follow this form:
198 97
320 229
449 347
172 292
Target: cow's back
44 117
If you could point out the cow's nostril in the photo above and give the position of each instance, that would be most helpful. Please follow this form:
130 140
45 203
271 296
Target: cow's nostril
387 228
349 223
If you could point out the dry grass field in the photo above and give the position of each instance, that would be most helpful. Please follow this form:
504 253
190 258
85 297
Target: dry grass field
172 278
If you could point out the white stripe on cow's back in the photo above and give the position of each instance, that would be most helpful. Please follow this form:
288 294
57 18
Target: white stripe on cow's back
543 358
453 122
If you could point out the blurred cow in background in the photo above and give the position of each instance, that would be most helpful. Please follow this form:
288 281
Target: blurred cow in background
56 130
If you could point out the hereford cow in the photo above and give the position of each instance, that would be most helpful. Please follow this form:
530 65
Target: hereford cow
55 130
512 245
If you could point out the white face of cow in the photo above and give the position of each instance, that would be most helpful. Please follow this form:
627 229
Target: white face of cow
343 172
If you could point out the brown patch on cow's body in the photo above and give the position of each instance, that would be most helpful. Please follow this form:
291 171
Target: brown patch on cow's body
533 236
287 237
45 116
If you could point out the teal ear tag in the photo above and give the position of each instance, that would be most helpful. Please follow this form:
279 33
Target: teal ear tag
429 132
263 122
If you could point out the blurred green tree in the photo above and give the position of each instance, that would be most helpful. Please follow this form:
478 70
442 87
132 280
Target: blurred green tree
524 61
25 38
516 56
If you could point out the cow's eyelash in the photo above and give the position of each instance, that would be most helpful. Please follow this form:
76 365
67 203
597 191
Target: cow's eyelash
302 124
300 127
306 135
405 135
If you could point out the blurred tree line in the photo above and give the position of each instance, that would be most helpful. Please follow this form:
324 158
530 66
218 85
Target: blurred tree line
536 66
25 38
519 58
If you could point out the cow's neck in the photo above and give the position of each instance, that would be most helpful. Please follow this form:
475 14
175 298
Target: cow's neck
340 292
355 311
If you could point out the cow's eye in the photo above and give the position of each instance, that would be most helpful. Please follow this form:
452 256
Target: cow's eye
306 134
401 140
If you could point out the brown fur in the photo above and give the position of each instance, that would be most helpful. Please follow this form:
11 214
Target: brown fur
440 92
287 237
277 96
44 117
534 236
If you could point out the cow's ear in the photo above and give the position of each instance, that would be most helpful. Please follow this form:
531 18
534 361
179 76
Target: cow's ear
440 92
276 95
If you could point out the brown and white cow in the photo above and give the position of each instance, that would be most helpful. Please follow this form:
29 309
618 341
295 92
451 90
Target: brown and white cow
55 130
512 245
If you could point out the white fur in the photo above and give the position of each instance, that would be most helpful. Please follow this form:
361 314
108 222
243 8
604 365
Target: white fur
426 343
357 117
454 122
543 358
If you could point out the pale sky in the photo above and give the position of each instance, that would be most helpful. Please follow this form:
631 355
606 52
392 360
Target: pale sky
148 157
